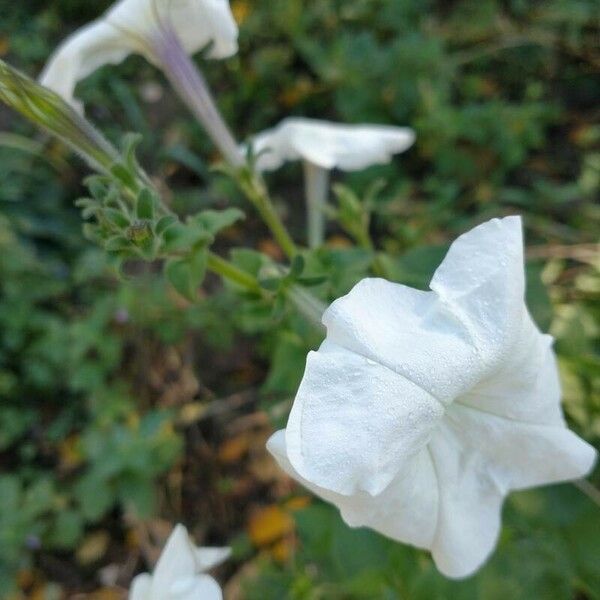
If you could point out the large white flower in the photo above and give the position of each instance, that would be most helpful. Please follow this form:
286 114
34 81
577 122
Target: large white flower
140 26
180 572
422 410
324 146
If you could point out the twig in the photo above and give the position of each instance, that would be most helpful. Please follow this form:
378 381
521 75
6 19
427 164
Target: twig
589 490
587 253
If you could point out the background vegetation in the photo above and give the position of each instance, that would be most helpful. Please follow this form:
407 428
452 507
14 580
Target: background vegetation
124 408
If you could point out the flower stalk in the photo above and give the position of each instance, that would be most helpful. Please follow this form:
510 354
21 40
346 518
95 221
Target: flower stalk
227 270
317 186
253 186
190 84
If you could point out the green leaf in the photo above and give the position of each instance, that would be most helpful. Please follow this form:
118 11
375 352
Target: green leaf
186 275
123 175
164 223
215 221
95 497
116 217
297 267
130 144
117 243
146 203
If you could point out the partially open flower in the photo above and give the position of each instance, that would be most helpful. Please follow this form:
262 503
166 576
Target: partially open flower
166 32
422 410
330 145
324 146
180 572
141 26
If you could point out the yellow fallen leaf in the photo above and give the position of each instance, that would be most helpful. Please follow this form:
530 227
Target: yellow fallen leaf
283 549
268 525
93 548
240 10
234 449
298 503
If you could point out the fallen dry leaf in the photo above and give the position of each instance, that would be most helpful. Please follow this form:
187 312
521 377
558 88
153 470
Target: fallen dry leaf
269 524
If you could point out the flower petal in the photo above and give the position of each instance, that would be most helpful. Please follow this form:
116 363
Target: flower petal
330 145
405 511
141 587
201 587
520 455
208 558
81 54
482 280
409 331
177 561
198 23
468 522
526 387
355 422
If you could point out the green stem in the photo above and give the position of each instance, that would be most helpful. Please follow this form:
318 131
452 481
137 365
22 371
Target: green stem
228 270
364 241
311 308
254 188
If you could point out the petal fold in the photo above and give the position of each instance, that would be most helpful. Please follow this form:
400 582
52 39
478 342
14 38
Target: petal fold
405 511
409 331
482 280
355 422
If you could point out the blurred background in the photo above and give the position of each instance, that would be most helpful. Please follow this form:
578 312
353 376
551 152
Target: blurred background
125 409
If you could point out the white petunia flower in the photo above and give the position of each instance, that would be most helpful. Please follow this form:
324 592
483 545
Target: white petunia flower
422 410
180 572
330 145
323 146
138 27
166 32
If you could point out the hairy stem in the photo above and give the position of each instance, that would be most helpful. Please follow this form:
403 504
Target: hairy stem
256 191
229 271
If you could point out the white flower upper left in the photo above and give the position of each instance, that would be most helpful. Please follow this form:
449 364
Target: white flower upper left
180 572
136 26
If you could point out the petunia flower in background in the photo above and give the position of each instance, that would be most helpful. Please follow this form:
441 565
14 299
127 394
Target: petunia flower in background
422 410
324 146
166 32
180 572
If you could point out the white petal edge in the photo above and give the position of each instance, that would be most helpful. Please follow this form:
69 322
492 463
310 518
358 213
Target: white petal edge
520 455
208 558
406 511
201 587
177 561
141 587
469 511
482 280
355 422
80 55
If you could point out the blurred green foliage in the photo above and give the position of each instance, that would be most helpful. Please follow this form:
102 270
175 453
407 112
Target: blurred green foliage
503 95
